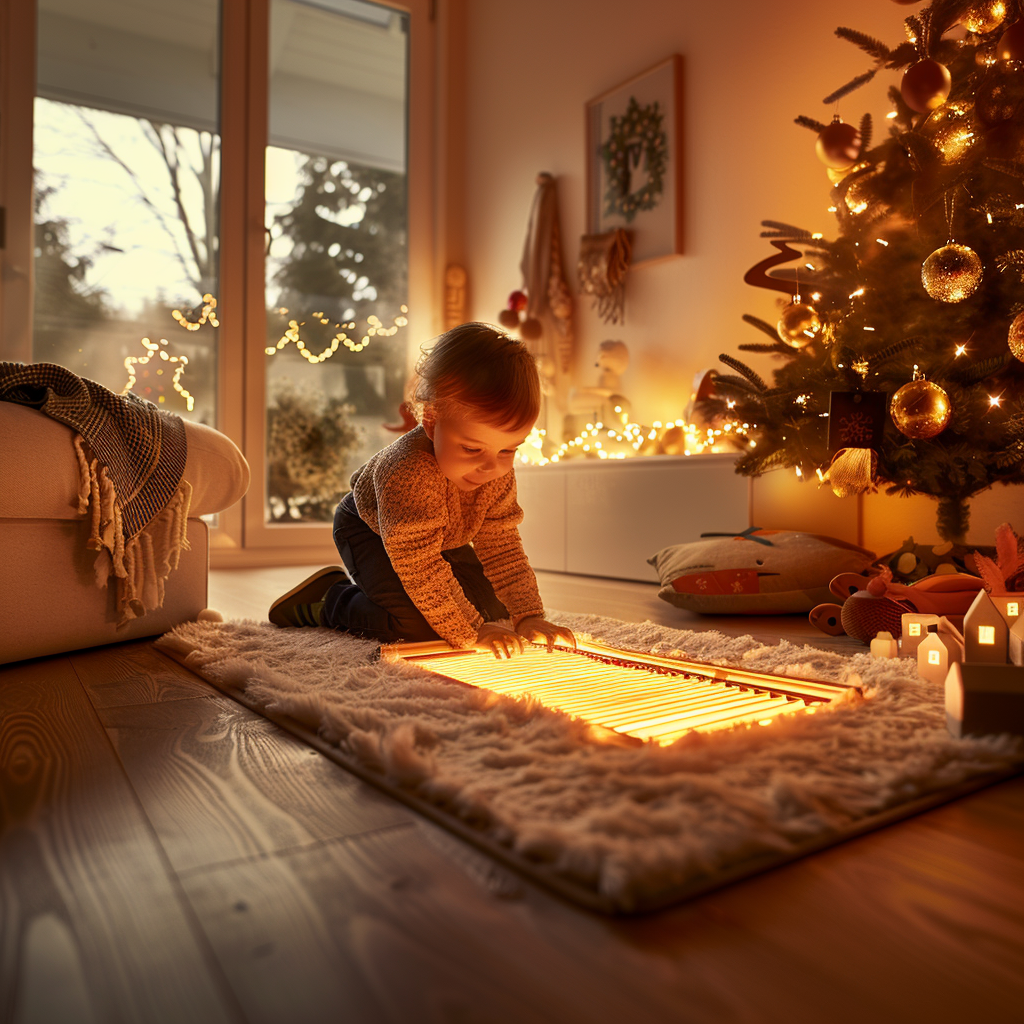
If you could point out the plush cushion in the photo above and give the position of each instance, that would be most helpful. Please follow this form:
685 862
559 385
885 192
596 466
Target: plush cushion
34 447
757 572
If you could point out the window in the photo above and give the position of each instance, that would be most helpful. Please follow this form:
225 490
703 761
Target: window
227 206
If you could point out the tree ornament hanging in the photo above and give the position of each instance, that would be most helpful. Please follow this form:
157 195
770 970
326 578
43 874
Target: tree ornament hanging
985 17
952 273
1011 43
920 409
859 195
516 305
953 131
838 144
999 95
799 324
925 85
1016 337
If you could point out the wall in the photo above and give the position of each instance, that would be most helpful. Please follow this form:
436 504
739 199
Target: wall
749 68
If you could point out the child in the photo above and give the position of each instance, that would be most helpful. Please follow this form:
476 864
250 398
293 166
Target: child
404 530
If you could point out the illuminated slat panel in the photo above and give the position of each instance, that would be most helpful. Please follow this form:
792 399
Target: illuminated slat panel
659 701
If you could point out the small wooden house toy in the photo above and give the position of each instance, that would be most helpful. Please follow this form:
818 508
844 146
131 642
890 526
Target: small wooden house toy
916 627
935 654
1016 642
984 698
985 631
1011 606
884 646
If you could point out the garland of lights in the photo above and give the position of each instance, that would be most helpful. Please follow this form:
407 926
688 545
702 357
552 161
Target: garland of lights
152 348
630 440
375 328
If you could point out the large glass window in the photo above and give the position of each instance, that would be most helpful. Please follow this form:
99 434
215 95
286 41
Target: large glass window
337 247
126 163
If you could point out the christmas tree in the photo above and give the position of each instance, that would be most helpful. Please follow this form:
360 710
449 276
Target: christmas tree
901 350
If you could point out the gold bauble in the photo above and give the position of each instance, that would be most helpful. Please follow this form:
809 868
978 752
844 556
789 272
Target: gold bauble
838 144
1016 337
952 130
985 17
859 196
925 85
1011 43
799 324
951 273
920 409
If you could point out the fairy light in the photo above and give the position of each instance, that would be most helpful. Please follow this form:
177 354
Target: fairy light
882 241
892 115
859 291
960 350
205 313
374 329
994 401
154 348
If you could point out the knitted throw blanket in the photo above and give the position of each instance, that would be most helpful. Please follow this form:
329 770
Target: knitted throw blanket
131 457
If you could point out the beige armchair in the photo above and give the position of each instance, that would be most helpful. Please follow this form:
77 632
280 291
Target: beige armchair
49 600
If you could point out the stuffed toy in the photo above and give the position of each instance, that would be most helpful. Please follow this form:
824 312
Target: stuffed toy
756 572
603 402
942 580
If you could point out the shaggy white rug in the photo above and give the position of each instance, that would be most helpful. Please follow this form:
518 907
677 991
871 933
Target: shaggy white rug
617 828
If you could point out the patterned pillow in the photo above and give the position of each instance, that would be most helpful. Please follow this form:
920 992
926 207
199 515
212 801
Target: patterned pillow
756 572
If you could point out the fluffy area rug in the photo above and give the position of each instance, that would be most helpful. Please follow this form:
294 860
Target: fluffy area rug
620 829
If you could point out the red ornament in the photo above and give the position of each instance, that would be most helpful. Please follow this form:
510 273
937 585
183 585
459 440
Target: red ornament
517 301
925 85
1011 43
838 144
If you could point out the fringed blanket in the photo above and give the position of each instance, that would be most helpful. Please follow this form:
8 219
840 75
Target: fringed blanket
131 457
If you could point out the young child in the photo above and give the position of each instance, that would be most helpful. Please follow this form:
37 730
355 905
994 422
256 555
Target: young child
404 530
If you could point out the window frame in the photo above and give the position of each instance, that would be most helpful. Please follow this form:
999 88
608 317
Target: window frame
241 535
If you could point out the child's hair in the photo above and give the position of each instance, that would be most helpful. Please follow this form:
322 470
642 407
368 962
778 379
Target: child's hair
479 367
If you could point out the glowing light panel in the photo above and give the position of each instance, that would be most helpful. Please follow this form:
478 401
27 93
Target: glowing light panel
637 695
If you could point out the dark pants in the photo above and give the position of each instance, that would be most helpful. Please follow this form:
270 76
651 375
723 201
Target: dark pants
375 603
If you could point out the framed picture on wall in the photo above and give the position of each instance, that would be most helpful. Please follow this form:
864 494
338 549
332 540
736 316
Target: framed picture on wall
634 166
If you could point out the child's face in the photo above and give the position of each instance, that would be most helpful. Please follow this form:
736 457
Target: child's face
469 451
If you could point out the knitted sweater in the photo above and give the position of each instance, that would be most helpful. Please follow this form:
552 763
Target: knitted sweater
402 495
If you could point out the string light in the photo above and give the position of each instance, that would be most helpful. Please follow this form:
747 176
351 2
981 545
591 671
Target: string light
635 440
205 313
153 348
960 350
374 329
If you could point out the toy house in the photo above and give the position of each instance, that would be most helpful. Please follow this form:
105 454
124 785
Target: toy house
984 698
985 631
935 653
916 627
1016 642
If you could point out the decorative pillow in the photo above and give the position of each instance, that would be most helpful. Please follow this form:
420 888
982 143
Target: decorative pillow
756 572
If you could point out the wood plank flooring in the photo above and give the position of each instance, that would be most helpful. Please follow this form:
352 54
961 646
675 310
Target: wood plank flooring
166 855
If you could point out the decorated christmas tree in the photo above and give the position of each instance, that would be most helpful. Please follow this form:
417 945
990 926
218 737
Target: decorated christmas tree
901 347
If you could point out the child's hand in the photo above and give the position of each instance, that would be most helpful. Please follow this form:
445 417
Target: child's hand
499 640
535 628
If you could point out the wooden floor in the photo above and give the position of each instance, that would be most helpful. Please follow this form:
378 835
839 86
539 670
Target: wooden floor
166 855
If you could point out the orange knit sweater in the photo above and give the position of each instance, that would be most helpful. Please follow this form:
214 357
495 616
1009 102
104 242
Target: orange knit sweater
402 495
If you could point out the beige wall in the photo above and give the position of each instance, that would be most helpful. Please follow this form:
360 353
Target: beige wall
750 68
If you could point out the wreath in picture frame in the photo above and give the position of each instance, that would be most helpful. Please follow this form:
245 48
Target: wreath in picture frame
635 139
